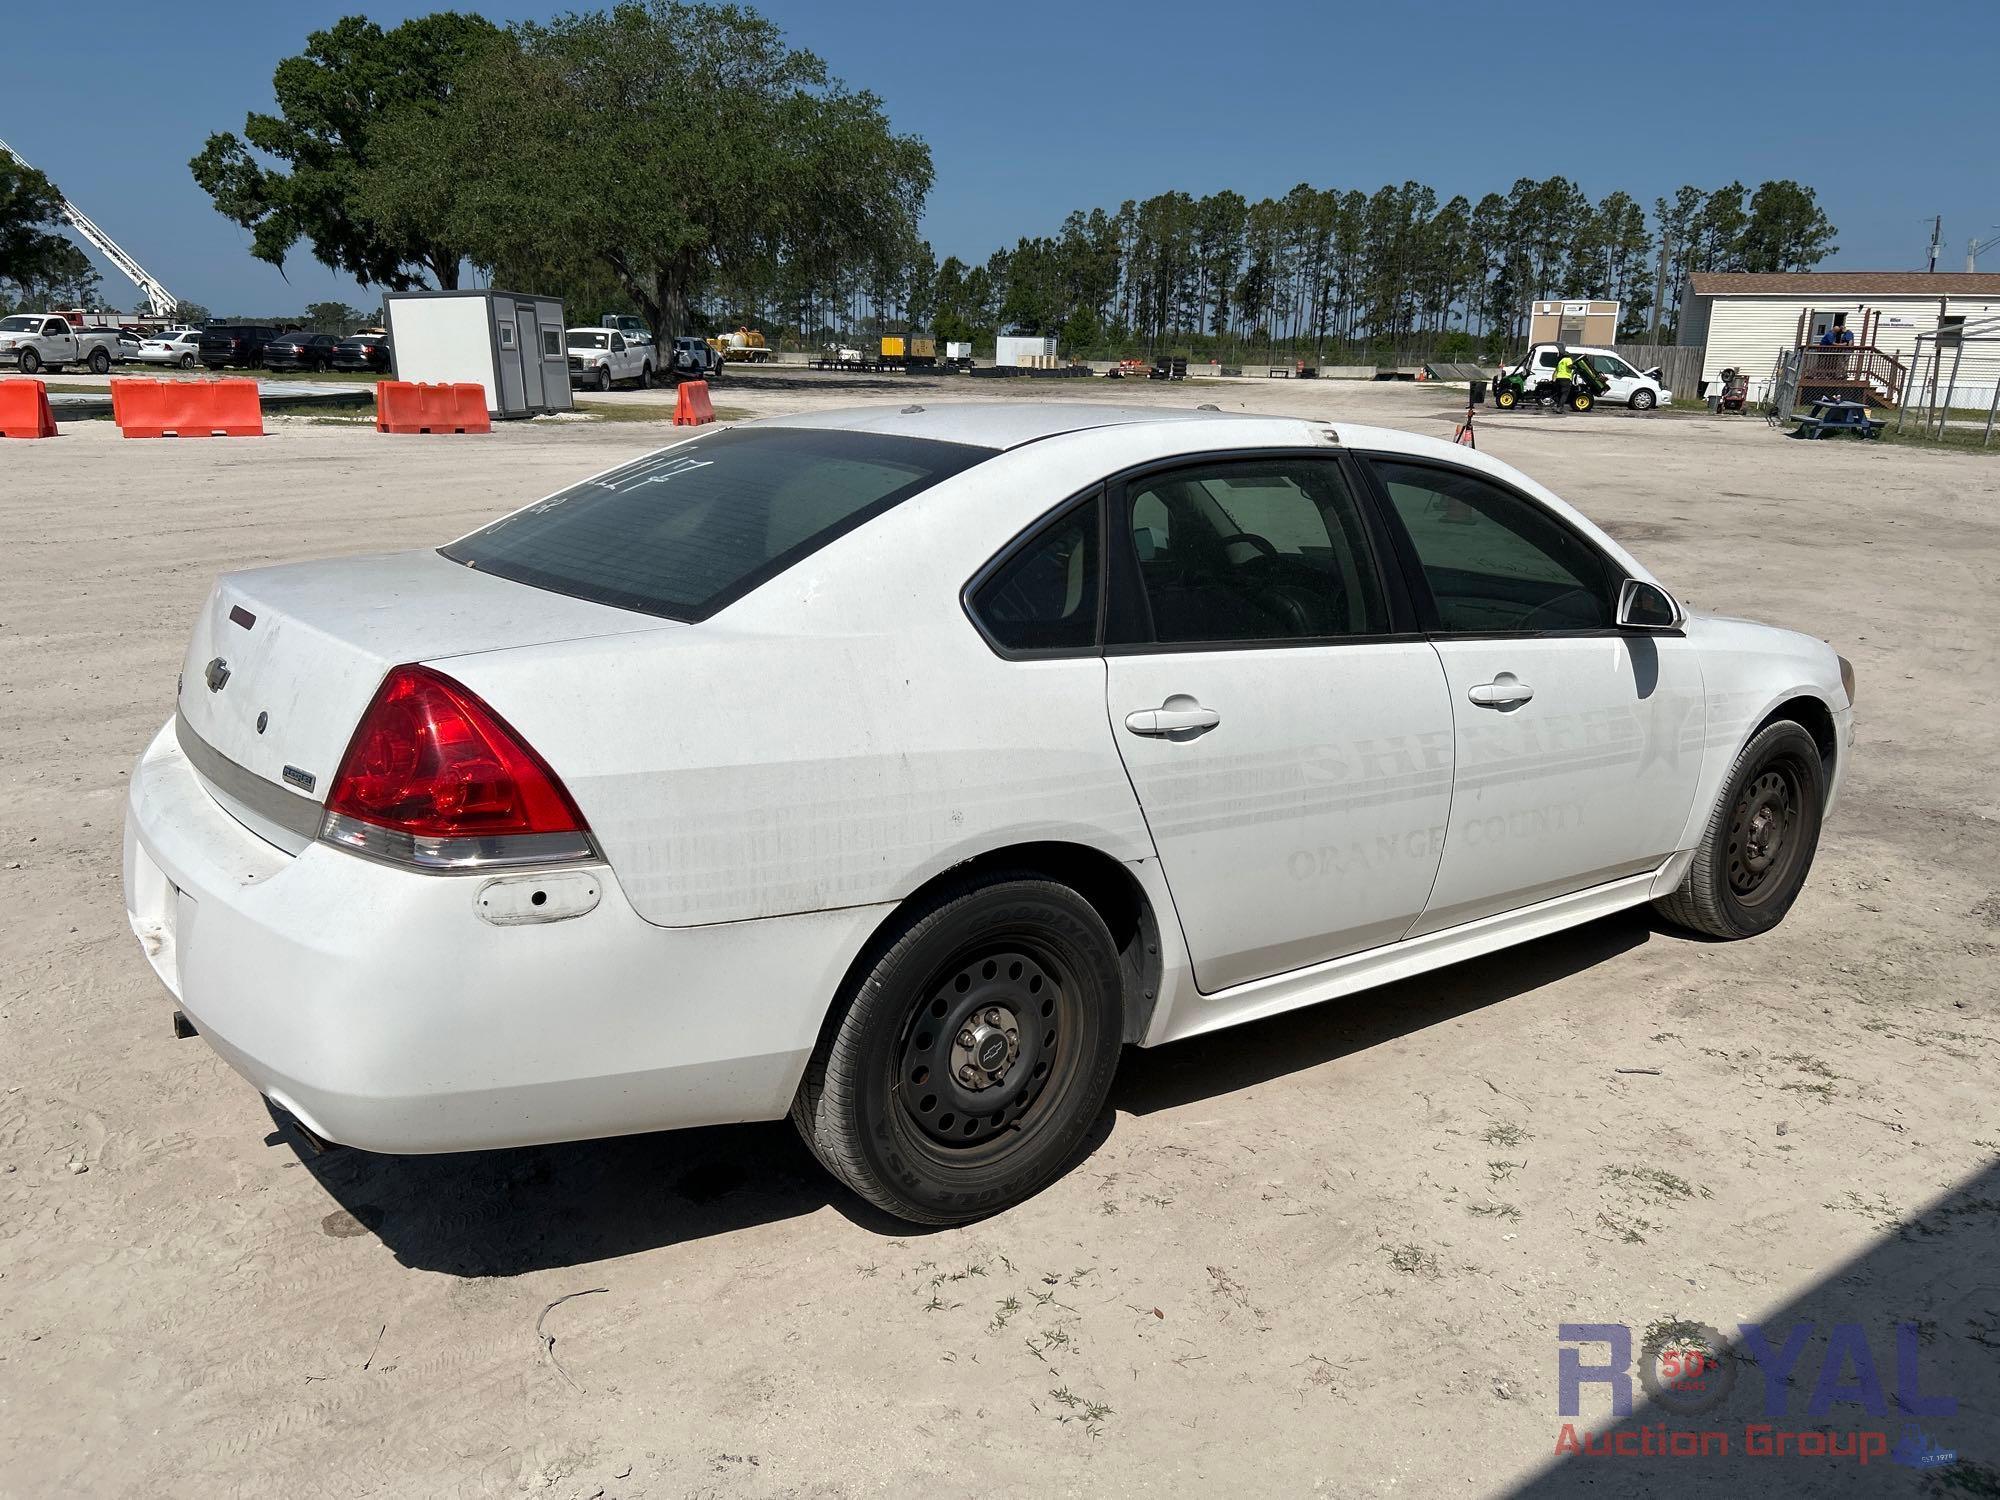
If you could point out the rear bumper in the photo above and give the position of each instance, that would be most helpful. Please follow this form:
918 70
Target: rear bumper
384 1012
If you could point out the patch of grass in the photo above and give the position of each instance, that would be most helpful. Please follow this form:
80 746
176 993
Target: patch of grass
1414 1260
1493 1210
1500 1171
1631 1231
1506 1133
650 411
1655 1183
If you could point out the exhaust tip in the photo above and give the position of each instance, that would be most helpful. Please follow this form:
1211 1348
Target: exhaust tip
183 1027
315 1143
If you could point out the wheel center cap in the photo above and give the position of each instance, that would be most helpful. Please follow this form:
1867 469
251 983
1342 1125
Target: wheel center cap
985 1047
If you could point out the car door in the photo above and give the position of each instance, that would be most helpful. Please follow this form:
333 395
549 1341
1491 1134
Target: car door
1577 745
1622 377
1284 724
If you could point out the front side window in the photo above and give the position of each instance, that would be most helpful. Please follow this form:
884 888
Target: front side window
1610 366
1495 561
1044 597
1253 550
685 531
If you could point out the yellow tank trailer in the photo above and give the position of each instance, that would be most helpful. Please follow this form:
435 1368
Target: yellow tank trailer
744 346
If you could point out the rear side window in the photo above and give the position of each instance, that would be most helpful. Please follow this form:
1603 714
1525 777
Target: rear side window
689 529
1044 596
1256 550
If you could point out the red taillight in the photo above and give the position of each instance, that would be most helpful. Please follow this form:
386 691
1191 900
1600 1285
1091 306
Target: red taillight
432 762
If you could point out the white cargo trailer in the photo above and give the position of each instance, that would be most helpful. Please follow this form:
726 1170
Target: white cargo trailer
1022 353
509 342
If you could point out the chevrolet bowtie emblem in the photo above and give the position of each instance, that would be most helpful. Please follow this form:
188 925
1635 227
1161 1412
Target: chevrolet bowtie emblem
216 674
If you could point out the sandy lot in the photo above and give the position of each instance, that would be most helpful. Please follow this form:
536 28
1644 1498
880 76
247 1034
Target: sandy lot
1327 1254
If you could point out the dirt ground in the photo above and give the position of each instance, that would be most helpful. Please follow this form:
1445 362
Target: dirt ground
1326 1254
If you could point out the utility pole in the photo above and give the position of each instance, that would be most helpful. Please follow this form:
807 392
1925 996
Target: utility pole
1976 248
1937 235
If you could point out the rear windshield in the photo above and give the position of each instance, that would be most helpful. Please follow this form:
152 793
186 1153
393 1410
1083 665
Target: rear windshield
692 528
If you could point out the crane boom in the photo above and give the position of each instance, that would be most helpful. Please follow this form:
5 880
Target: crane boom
160 302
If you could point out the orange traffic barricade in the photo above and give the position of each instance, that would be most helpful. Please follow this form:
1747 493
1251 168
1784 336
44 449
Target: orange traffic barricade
187 408
691 404
414 406
24 410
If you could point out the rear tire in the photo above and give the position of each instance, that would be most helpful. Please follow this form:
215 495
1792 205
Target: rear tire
100 362
1760 839
938 1129
187 361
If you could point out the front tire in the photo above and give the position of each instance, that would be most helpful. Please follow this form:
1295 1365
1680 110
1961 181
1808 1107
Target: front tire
604 377
1507 400
1643 400
30 361
970 1059
1759 843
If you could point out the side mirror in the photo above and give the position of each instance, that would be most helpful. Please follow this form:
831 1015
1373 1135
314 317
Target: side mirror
1647 606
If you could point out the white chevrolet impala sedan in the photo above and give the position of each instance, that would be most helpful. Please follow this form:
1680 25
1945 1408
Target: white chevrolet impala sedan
895 769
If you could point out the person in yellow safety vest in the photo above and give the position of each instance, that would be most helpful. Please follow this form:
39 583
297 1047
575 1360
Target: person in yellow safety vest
1565 380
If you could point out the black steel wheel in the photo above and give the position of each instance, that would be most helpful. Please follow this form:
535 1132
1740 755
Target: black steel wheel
964 1070
1760 838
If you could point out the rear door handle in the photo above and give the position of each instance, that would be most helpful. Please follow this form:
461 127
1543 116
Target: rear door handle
1504 691
1178 715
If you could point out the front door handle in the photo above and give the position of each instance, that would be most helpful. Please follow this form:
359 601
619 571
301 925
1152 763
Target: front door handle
1180 714
1504 691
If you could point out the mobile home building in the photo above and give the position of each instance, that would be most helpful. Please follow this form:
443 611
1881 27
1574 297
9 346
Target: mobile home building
1746 320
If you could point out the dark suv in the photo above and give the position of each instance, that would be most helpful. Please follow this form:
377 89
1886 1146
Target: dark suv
239 344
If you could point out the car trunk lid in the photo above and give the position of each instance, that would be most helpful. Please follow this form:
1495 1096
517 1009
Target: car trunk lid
283 661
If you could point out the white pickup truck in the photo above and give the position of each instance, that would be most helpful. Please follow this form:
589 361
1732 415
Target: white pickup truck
36 341
600 357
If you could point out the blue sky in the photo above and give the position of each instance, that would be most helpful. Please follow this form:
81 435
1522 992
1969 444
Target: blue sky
1032 108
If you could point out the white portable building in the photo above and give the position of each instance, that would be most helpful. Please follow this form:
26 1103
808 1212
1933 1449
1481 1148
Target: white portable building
1020 353
1746 320
509 342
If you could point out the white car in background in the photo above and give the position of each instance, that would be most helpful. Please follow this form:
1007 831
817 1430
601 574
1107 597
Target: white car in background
894 769
179 347
1641 391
